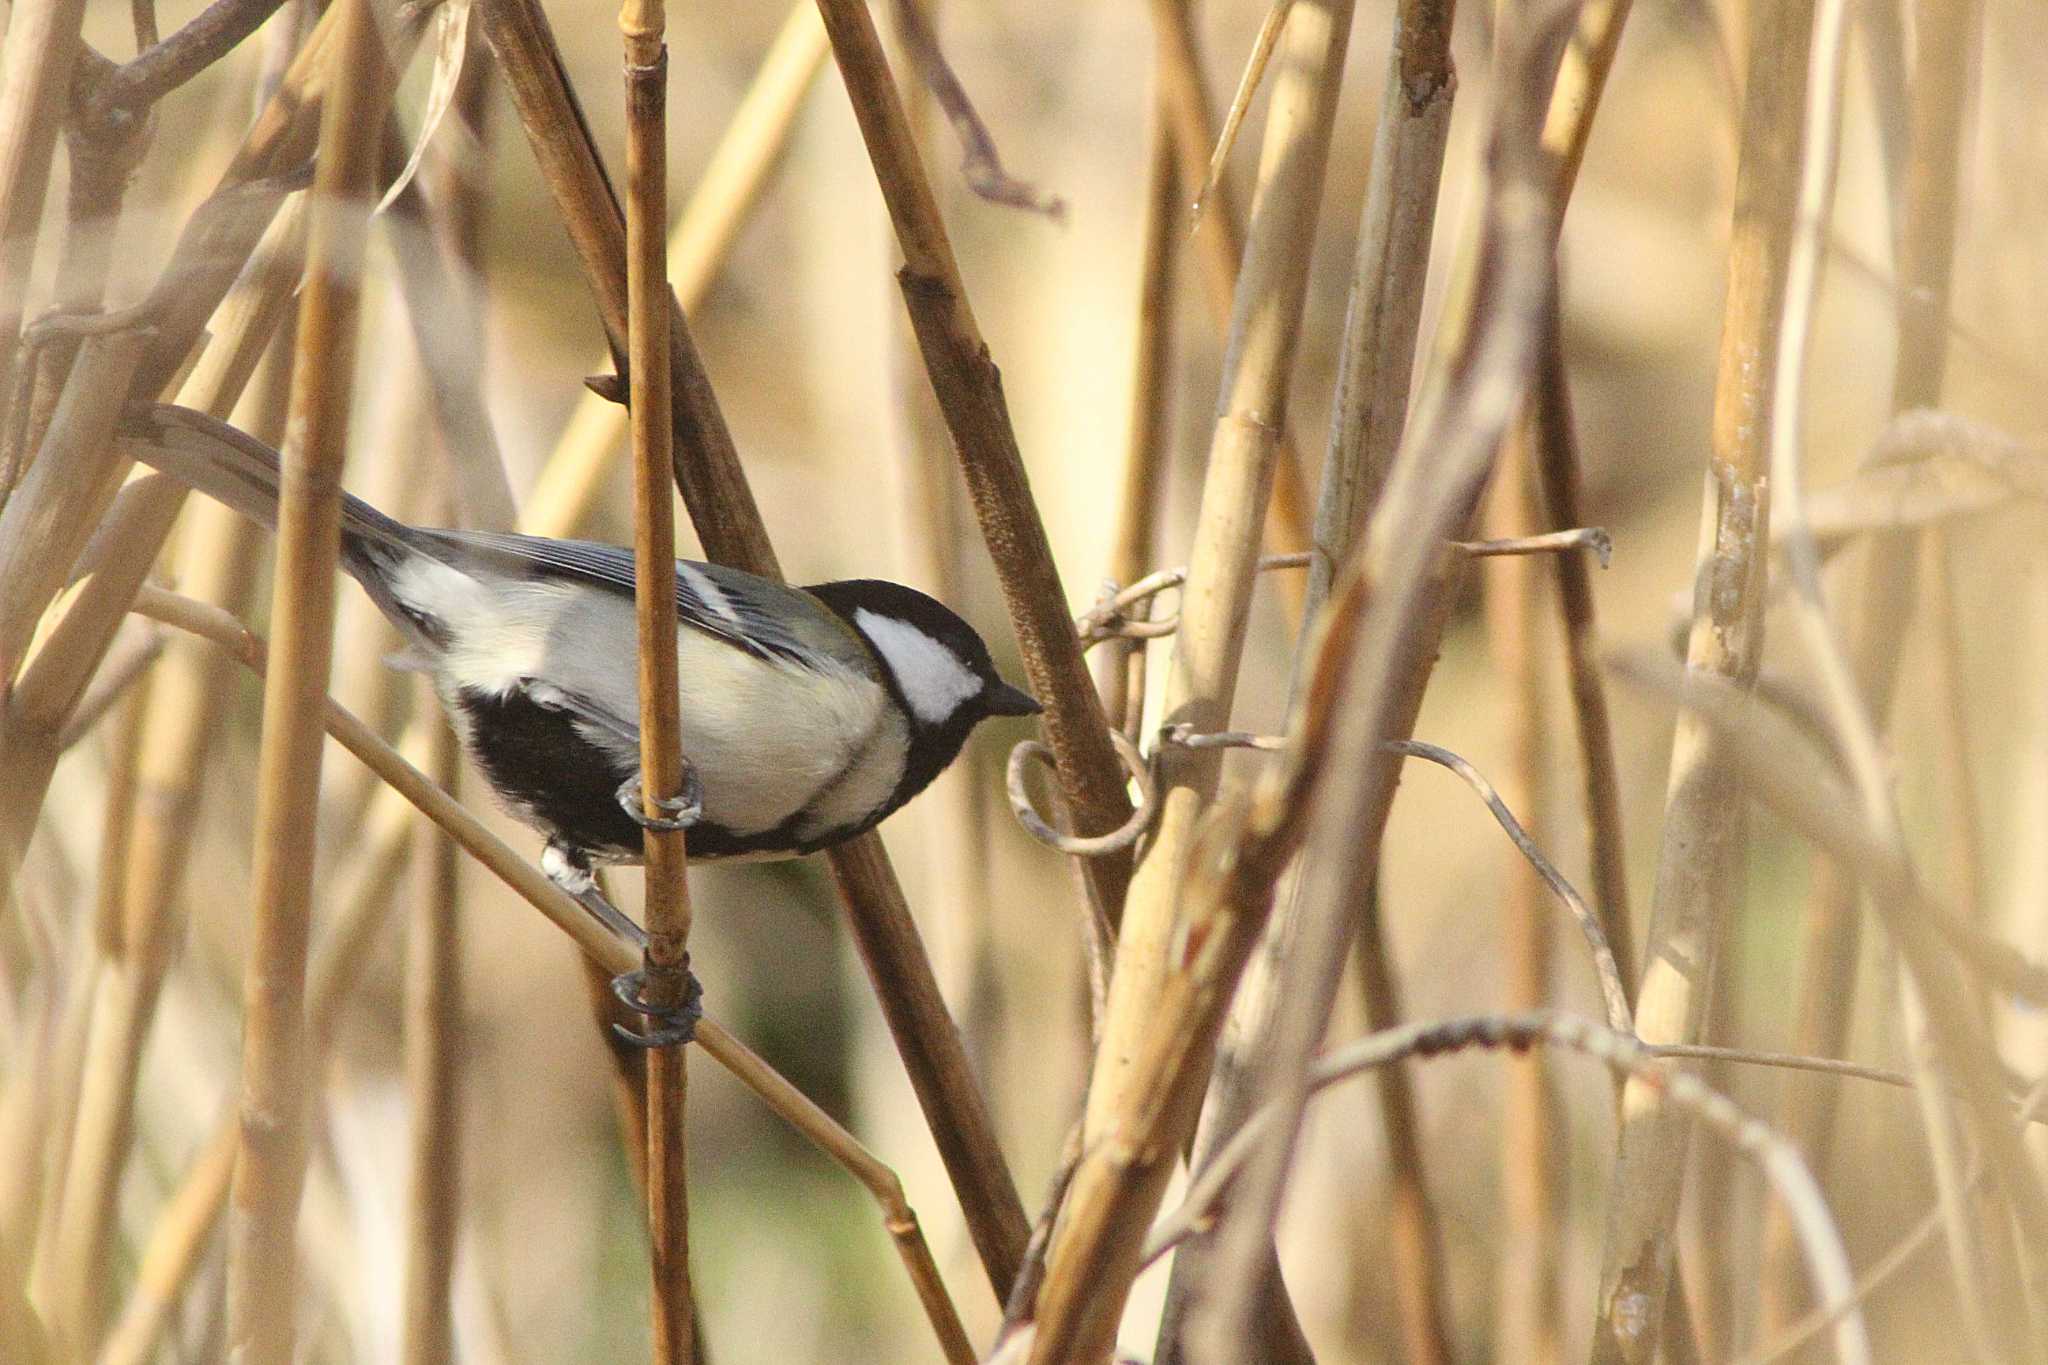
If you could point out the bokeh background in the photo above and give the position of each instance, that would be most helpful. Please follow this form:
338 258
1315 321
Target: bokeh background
803 336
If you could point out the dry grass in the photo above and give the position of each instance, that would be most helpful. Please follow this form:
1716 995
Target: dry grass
1802 858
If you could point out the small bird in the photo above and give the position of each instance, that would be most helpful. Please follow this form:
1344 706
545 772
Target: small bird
808 714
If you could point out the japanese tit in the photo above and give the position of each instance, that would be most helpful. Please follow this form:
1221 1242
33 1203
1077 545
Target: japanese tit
808 714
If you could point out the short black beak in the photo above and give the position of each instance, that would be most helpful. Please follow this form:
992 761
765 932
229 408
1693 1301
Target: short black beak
1001 699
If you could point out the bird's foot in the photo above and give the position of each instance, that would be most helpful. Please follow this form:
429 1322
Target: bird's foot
671 1024
678 812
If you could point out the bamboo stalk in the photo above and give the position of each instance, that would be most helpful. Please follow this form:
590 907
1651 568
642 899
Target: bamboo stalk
1883 595
270 1161
1699 869
667 957
729 526
1375 366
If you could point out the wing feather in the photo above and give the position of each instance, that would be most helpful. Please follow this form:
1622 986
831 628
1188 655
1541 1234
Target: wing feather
746 612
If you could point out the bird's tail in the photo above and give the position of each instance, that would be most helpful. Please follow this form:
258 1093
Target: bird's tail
235 468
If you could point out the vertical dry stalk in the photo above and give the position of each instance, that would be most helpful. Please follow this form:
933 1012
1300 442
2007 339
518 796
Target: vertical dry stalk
970 395
1431 494
1526 1325
1097 1244
641 24
1217 598
1218 242
1882 596
433 1020
1699 867
35 87
1146 445
270 1165
729 526
1382 319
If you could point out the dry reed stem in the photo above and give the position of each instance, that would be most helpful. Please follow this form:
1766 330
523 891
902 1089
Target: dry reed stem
1973 1256
164 66
1526 1320
1827 1259
666 958
1217 236
1375 365
335 974
1097 1243
1147 439
1216 599
953 837
1700 858
270 1162
1431 494
216 562
1780 767
970 396
1882 596
732 183
433 1075
35 87
729 526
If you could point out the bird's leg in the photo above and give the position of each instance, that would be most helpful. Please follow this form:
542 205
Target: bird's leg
569 868
680 811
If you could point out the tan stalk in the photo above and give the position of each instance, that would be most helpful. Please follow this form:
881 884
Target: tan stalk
1699 867
667 959
1375 367
1216 599
1526 1321
1882 596
952 837
477 493
1098 1242
270 1162
173 1252
1432 492
1218 243
729 526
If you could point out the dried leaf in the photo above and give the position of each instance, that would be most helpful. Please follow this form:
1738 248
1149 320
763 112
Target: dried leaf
451 41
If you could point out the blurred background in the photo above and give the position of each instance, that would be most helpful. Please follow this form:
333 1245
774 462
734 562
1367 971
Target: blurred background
802 333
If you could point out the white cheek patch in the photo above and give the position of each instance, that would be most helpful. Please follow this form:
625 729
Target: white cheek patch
934 680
